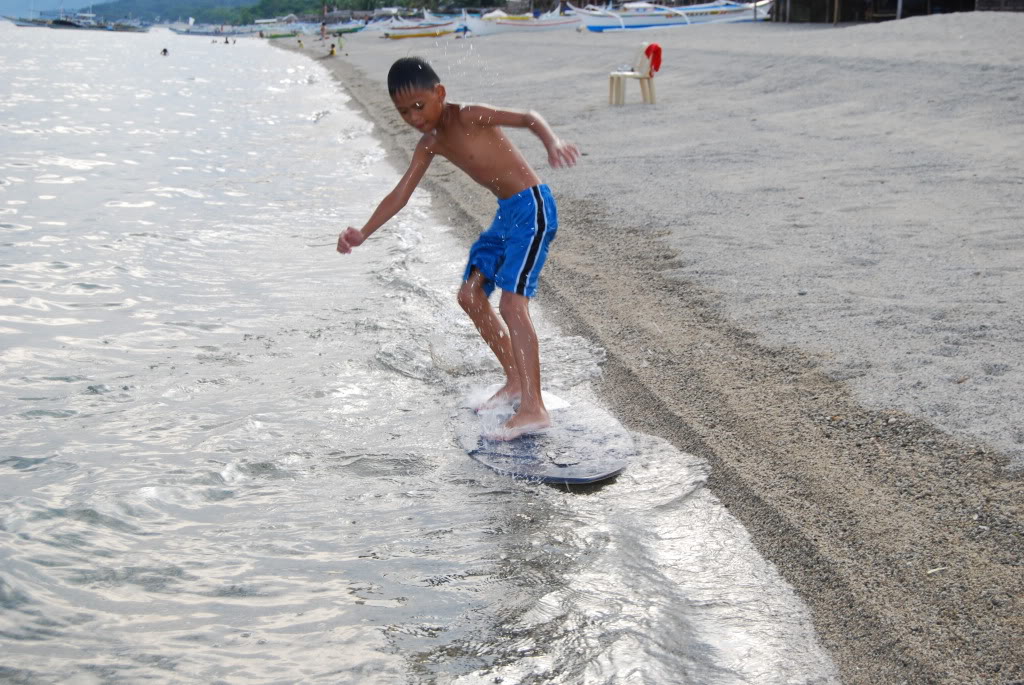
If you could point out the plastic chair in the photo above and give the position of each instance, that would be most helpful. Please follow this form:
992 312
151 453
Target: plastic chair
648 61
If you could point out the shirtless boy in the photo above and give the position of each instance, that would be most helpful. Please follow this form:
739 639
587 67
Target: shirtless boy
512 251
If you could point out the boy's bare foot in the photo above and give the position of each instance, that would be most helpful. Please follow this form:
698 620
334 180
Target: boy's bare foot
521 424
506 397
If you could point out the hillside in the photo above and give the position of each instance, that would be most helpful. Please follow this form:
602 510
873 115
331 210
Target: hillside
205 11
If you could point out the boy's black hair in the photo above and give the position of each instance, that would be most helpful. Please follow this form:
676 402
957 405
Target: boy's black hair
411 73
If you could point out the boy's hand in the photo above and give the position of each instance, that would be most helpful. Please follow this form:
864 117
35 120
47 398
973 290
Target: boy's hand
349 238
562 154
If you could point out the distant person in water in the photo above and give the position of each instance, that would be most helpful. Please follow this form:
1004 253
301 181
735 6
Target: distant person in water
508 255
300 43
164 52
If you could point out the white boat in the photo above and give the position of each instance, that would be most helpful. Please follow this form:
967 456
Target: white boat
421 29
383 19
431 25
646 15
499 22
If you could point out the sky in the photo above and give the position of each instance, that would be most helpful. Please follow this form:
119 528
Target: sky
21 8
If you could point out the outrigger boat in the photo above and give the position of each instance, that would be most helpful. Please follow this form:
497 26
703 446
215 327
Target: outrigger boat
422 30
646 15
352 26
430 26
499 22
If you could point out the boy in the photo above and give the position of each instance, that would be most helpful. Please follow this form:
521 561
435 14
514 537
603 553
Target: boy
512 251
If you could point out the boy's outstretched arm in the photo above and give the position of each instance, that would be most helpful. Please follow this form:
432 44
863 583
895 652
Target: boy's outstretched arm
560 153
393 202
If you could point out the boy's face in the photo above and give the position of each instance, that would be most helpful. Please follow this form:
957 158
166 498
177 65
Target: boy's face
421 107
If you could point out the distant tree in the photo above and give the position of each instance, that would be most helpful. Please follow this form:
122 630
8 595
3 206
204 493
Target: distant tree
245 11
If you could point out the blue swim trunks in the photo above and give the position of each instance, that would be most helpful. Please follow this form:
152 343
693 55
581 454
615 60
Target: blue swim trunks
512 251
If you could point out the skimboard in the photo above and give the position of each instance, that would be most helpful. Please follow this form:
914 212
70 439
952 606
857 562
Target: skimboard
585 444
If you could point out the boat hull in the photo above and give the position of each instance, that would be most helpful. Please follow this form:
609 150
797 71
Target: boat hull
710 13
420 30
485 27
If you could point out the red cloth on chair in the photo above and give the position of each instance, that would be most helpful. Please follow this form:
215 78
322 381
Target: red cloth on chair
653 52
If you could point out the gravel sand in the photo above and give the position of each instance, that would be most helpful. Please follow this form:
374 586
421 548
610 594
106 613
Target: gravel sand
805 263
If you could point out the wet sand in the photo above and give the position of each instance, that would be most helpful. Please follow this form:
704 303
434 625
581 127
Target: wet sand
805 263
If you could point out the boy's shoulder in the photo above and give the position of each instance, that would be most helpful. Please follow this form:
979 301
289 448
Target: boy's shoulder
469 114
455 109
454 117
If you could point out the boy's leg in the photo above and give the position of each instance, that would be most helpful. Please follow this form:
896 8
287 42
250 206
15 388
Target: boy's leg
532 415
474 302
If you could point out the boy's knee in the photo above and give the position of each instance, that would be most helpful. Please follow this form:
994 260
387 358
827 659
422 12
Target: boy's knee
513 306
470 296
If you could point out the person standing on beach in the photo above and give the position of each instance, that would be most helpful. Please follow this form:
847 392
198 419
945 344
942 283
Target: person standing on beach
512 251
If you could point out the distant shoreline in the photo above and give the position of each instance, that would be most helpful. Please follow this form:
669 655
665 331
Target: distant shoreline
809 185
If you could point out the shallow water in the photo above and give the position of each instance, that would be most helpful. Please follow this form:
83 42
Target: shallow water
228 452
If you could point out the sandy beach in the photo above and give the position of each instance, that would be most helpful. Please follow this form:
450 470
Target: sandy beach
805 264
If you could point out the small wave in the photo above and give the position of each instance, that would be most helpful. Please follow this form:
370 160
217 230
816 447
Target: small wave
49 414
92 287
77 130
71 163
31 464
197 325
47 321
129 205
184 496
170 191
158 579
240 591
264 470
88 516
54 179
11 597
404 359
461 356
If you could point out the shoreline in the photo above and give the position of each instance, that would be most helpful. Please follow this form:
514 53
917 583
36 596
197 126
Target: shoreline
904 541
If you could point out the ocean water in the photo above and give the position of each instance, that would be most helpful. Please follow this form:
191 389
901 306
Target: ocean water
227 453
